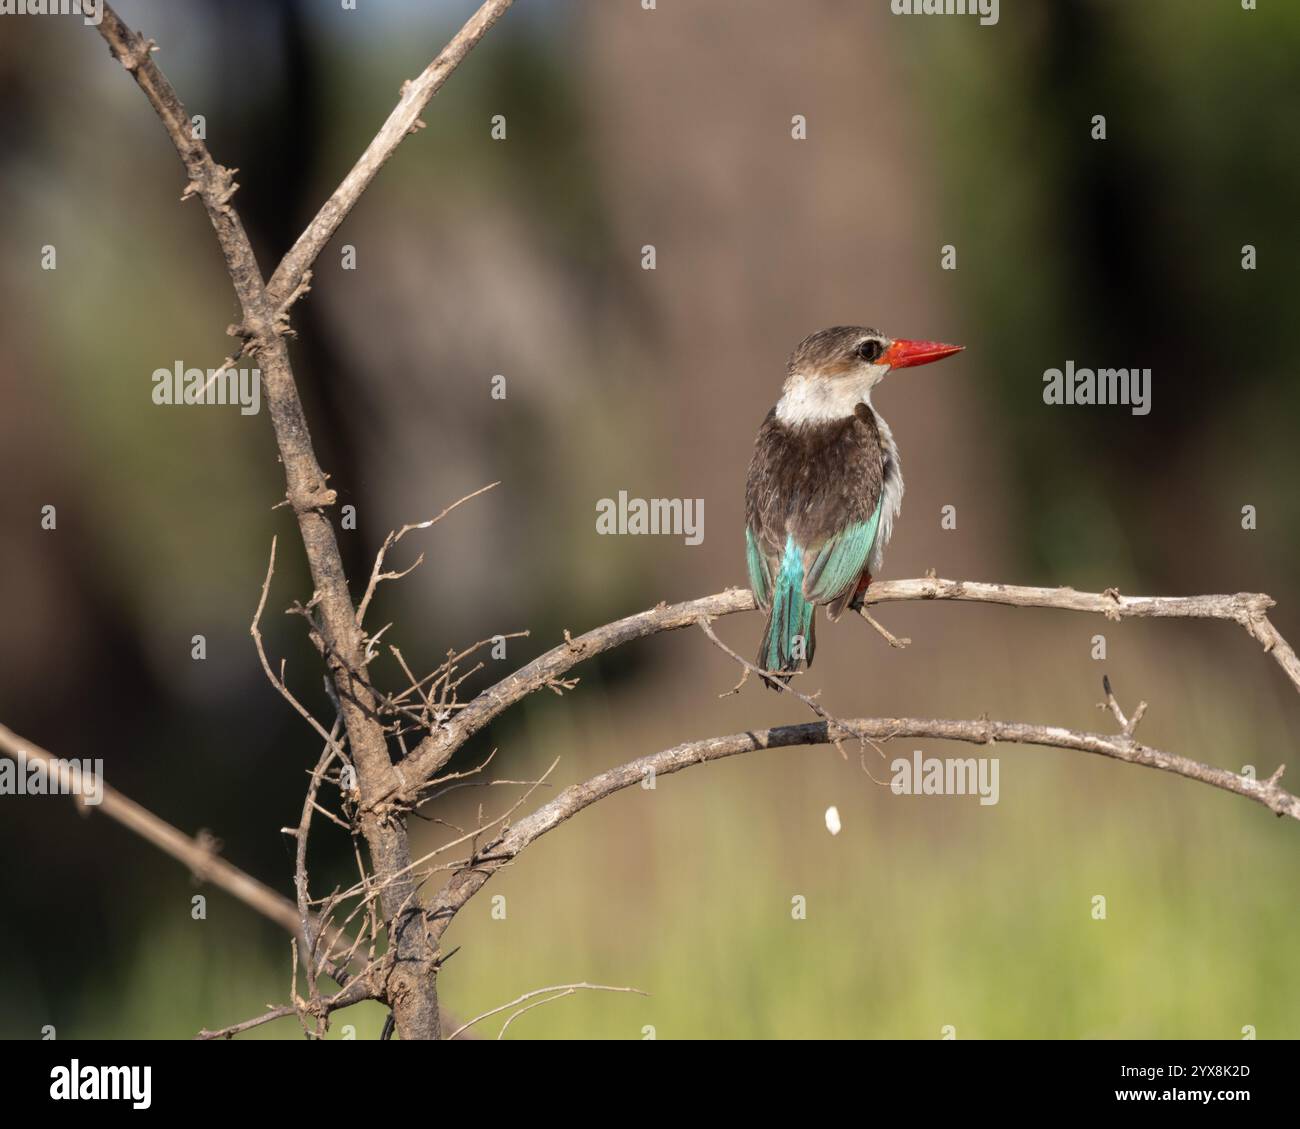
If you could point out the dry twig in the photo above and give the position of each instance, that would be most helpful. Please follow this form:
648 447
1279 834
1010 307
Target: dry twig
559 990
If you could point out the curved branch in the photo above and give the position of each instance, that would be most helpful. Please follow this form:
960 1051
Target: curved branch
559 990
1248 609
466 882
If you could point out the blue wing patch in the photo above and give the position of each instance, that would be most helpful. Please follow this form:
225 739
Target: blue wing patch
791 618
758 577
840 561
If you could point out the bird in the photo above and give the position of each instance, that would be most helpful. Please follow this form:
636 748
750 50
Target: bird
824 487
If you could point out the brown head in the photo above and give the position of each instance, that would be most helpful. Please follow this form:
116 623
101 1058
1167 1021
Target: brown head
833 370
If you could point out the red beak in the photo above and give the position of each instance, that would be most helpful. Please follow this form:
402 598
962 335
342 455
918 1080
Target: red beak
905 354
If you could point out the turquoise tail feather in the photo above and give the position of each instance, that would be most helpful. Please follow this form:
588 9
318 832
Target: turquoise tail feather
789 635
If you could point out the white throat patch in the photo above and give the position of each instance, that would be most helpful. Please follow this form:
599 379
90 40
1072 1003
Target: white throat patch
821 399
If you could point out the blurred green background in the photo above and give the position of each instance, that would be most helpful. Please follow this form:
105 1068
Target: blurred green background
522 257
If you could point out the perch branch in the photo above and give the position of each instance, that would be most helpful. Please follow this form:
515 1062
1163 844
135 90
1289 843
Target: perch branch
1247 609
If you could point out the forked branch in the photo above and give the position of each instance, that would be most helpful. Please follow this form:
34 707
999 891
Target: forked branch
264 321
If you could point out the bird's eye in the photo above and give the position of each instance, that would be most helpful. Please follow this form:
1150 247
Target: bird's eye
870 350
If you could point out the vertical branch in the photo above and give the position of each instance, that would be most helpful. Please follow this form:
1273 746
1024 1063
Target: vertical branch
411 987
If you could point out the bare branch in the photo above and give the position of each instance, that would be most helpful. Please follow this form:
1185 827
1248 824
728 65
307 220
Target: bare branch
255 630
1245 608
837 729
312 935
466 882
270 1015
354 993
404 119
195 854
377 574
413 992
1128 725
560 990
884 632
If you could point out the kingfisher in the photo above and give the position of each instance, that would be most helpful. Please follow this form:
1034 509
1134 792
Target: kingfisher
824 487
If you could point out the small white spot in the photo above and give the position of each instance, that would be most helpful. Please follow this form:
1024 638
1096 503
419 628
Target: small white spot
833 819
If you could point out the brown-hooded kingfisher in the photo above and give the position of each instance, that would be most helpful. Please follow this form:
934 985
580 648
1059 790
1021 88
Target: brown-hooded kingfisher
824 486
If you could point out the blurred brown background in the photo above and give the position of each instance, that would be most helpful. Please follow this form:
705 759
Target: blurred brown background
522 257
